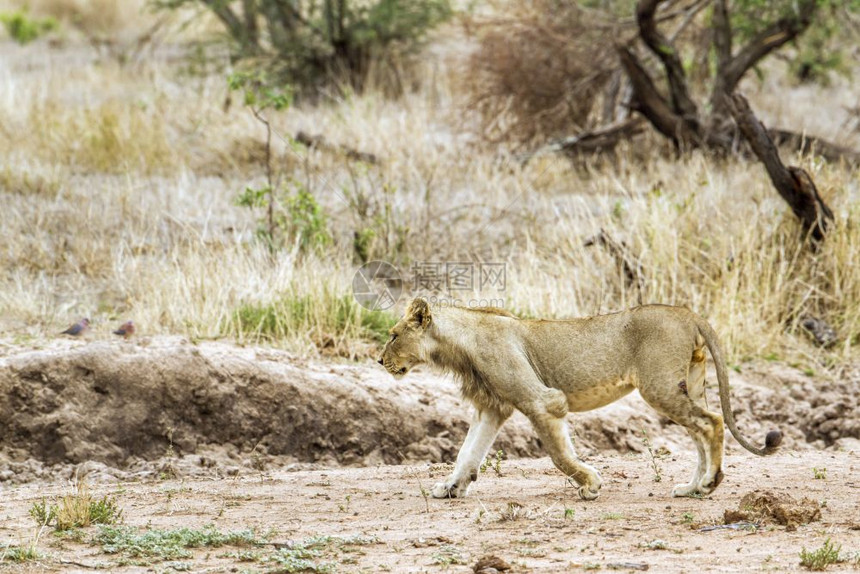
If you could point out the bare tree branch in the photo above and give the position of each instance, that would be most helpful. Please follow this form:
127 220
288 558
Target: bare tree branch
590 142
782 31
793 183
682 103
231 21
722 40
652 105
249 10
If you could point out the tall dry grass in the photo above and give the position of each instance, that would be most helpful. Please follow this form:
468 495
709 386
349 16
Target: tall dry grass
119 186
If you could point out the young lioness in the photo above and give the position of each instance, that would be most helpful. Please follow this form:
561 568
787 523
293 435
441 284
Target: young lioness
546 369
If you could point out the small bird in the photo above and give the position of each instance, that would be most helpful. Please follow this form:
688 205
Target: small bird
125 330
78 328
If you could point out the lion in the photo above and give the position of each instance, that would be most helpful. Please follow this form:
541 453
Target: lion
547 368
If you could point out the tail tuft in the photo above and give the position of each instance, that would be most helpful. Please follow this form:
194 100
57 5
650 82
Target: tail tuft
773 440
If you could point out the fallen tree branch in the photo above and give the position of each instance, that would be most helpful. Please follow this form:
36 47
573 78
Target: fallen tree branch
807 144
596 141
320 143
792 183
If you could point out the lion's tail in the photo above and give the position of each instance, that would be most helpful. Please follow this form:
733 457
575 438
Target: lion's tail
774 437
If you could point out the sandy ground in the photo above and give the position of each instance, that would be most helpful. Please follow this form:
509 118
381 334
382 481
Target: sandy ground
215 436
528 517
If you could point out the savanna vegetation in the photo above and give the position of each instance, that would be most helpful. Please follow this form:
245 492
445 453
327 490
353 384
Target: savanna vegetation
184 164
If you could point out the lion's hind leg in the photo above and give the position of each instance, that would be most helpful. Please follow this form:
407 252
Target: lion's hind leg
692 487
683 401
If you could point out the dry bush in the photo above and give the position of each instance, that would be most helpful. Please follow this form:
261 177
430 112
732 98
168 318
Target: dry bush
538 69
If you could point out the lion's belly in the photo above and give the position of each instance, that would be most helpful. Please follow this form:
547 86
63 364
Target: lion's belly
597 396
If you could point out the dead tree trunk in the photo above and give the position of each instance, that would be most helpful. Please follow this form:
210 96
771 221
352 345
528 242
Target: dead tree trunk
793 183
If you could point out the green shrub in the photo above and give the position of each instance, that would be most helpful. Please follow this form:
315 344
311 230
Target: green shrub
321 42
24 29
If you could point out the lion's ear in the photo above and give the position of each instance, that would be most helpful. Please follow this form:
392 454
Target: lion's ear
419 312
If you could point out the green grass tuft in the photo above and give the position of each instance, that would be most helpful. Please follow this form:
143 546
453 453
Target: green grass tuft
326 316
821 558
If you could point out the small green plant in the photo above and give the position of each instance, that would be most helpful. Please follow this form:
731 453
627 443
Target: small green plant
447 555
302 217
244 555
345 506
569 513
819 473
77 509
821 558
43 513
25 552
19 554
24 29
299 558
612 516
305 220
305 555
658 476
425 494
688 517
495 462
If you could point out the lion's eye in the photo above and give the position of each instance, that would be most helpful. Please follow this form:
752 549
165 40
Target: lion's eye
393 336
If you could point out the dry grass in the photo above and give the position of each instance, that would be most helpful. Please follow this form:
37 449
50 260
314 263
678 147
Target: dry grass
120 184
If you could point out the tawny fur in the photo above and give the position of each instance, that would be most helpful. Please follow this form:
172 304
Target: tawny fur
546 369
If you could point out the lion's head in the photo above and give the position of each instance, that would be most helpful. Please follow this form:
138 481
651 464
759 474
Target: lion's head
405 348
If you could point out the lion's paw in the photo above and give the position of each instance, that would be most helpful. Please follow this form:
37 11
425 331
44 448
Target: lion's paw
586 493
685 489
448 489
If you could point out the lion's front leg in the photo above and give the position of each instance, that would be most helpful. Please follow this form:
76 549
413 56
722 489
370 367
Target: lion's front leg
482 432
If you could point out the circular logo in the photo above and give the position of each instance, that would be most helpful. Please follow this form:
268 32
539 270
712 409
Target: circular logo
377 285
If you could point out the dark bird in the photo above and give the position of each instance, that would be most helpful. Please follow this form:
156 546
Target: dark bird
126 330
78 328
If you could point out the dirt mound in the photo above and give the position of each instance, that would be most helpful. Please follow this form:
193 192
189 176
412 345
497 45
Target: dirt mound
115 403
212 405
219 408
768 507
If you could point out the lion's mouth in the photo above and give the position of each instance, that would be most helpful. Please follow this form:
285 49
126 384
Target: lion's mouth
398 373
